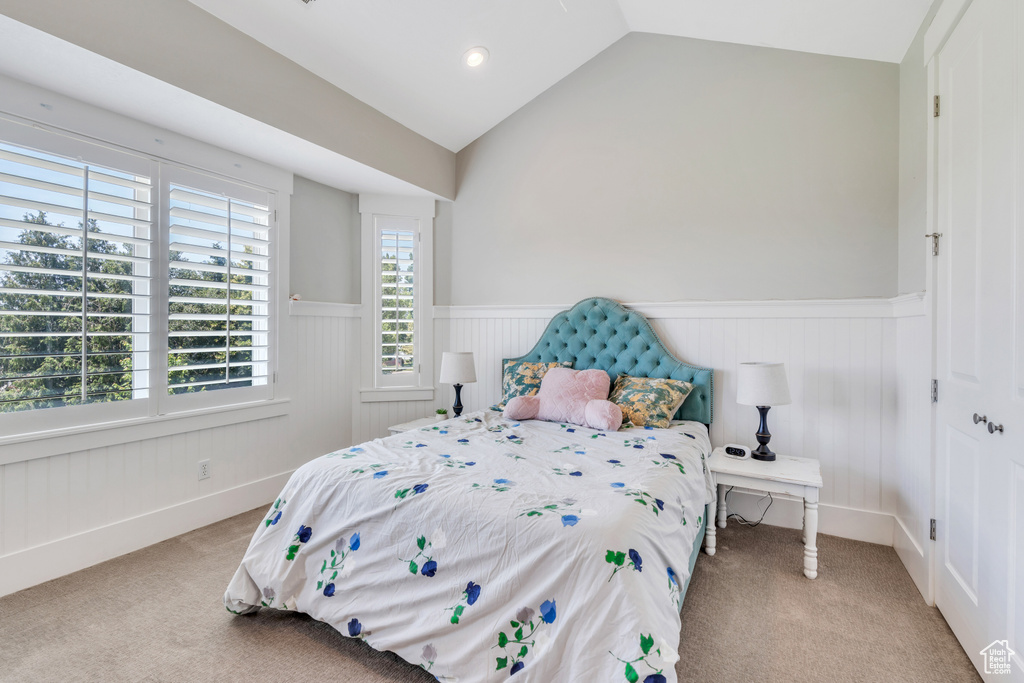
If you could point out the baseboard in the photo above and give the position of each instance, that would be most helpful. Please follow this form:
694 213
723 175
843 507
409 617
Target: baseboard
835 520
915 558
42 563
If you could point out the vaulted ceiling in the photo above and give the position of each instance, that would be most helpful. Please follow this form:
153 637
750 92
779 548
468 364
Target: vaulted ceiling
404 57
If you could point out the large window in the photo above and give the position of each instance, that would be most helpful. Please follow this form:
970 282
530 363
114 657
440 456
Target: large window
397 297
74 281
129 286
218 292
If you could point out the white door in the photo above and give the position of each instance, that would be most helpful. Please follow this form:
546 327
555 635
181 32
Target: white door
978 357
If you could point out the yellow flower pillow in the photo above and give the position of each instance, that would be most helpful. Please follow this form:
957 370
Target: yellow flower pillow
649 401
522 378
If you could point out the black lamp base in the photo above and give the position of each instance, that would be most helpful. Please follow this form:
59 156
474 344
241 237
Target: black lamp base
762 452
457 408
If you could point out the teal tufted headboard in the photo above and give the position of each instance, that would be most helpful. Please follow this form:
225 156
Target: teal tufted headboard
604 334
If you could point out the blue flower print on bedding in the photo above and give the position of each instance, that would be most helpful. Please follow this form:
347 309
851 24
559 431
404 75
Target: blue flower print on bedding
401 494
617 559
500 485
423 561
469 596
675 591
567 511
454 463
669 460
567 470
380 475
375 467
302 536
338 564
275 512
642 497
657 660
355 629
521 639
345 455
575 449
635 558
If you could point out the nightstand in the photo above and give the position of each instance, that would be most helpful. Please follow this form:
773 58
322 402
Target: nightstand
409 426
799 477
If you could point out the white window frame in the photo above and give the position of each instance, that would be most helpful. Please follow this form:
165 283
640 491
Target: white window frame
374 386
172 174
31 434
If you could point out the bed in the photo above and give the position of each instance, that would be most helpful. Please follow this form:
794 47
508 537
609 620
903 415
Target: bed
480 548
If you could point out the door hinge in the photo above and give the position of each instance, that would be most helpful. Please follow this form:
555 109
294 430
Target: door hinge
275 378
935 391
934 236
936 105
931 530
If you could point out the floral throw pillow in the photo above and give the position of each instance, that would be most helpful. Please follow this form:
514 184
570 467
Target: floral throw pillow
522 378
649 401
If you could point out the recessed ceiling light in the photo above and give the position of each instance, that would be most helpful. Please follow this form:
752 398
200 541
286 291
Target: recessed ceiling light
476 56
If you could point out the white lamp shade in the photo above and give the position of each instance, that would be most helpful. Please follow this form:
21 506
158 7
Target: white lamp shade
762 384
457 367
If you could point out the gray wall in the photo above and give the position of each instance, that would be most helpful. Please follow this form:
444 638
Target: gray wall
179 43
672 168
324 244
914 112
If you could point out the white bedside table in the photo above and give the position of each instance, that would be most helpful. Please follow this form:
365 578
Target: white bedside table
415 424
796 476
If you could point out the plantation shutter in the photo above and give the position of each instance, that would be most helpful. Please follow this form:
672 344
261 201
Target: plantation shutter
74 281
397 296
218 292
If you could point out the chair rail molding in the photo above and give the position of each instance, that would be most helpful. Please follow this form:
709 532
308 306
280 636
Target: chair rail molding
895 307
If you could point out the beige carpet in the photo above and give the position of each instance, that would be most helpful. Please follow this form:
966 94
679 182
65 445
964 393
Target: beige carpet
156 615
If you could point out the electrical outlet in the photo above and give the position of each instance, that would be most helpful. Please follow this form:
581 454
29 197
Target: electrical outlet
204 469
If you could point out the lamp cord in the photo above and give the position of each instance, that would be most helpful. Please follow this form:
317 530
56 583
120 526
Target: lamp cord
740 518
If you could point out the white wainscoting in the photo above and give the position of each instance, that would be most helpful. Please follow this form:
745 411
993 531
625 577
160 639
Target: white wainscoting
841 361
61 513
913 475
855 368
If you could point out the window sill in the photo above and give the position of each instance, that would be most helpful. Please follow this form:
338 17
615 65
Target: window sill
396 394
23 447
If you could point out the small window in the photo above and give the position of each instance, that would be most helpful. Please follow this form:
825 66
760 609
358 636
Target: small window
397 311
397 297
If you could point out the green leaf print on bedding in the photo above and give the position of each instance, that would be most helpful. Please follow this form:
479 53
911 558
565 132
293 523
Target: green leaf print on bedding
522 640
663 655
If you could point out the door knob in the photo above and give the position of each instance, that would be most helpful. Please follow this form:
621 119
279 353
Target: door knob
993 428
979 418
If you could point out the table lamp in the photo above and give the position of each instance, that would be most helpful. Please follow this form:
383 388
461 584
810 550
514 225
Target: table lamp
763 385
457 368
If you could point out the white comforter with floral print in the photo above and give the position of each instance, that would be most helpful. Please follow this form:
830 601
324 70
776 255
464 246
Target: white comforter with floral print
481 548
